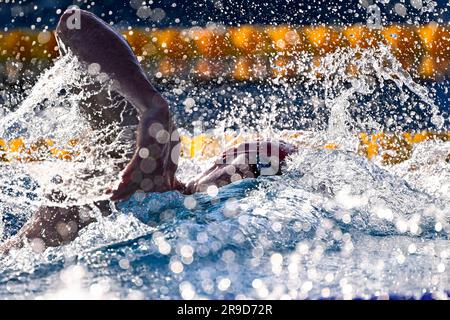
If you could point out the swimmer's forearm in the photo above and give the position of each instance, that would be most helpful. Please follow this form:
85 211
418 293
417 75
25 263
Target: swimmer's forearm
54 226
49 227
15 242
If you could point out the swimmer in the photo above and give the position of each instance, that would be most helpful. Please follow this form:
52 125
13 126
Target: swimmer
153 165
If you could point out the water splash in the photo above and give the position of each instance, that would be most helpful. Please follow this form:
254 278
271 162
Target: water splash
49 105
334 225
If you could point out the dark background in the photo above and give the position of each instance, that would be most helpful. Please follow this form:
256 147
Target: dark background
24 13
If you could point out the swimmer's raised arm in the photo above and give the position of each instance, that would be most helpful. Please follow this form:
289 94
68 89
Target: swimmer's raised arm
153 166
154 163
97 45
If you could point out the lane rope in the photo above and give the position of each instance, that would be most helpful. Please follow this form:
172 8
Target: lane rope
422 49
392 148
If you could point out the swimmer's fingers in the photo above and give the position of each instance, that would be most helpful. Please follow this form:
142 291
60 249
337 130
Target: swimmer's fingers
15 242
4 249
126 186
123 191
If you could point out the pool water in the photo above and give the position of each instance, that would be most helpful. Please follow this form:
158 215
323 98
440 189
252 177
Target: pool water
334 225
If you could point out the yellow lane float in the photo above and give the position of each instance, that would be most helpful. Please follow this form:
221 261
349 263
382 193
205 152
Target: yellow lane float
391 148
18 150
395 148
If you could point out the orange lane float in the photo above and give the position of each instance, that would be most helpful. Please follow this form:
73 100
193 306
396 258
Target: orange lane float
26 45
16 44
172 43
428 67
424 50
322 39
243 69
168 67
248 40
140 42
249 68
283 67
436 41
205 69
361 36
45 46
210 42
405 43
286 39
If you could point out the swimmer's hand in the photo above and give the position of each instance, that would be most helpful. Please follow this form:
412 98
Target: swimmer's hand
153 166
124 191
128 181
15 242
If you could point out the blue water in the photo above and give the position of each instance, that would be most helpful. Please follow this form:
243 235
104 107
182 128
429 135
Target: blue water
274 237
228 12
